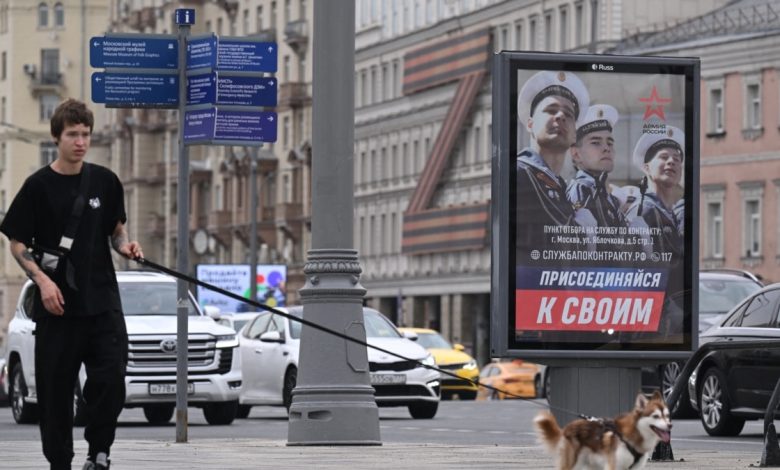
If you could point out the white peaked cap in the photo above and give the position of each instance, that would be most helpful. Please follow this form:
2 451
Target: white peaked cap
671 137
547 83
598 117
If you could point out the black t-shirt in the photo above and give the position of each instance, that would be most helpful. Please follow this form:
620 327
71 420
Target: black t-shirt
39 214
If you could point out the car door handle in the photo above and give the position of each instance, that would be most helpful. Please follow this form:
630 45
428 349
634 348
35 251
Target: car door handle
258 351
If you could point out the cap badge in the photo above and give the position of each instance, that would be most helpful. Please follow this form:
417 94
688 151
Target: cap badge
669 132
562 76
600 113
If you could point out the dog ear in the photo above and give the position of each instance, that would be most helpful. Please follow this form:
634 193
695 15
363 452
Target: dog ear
657 396
641 401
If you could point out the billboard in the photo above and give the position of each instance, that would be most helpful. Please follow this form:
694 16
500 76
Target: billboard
271 285
594 203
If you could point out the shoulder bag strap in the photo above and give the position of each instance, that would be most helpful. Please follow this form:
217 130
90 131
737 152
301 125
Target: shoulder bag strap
66 242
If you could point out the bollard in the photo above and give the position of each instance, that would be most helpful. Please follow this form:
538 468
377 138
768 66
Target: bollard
770 457
662 452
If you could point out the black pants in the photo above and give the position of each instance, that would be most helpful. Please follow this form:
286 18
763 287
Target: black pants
62 344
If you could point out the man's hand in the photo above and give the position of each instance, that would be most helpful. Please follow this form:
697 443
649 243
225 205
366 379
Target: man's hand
51 295
131 250
122 244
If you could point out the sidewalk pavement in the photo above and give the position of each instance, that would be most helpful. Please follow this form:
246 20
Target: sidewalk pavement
240 454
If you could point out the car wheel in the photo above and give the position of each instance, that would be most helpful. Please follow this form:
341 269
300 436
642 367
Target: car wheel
79 407
467 395
243 411
290 379
547 384
538 387
160 413
23 412
669 373
715 408
223 412
424 410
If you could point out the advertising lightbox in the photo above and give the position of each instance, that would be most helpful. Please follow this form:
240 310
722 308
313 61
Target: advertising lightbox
271 285
594 206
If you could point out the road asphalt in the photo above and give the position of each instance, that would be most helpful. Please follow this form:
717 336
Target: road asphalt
241 454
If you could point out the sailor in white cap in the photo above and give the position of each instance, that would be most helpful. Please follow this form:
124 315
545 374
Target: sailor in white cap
660 156
626 196
593 154
549 105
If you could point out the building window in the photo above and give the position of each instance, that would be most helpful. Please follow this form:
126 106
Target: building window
286 69
752 195
563 27
259 18
49 103
396 79
286 132
43 15
48 152
59 15
50 66
4 65
364 88
372 88
219 26
503 35
477 144
273 16
287 13
303 9
715 230
519 35
716 111
548 32
532 34
753 106
579 25
245 22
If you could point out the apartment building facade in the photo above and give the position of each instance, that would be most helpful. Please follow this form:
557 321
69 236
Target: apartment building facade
44 59
739 48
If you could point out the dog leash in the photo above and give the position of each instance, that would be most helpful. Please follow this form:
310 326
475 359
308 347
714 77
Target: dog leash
609 425
268 308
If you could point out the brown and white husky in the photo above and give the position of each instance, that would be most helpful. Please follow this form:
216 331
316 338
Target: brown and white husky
622 443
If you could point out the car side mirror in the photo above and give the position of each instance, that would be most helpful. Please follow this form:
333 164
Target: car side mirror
458 347
272 337
212 312
410 335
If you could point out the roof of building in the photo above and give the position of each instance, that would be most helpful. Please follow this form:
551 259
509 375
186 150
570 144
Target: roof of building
738 19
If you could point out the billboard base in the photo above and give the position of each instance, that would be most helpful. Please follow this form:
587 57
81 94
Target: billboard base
593 391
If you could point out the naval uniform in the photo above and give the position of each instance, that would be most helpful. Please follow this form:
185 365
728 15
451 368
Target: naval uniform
590 192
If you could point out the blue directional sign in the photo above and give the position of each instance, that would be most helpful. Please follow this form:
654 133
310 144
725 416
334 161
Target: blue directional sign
136 90
202 52
239 90
246 56
184 16
138 51
215 125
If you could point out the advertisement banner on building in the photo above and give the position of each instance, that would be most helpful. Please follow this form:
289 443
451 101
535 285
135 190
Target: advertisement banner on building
595 183
271 285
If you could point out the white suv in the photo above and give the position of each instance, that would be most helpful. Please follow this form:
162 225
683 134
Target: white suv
149 305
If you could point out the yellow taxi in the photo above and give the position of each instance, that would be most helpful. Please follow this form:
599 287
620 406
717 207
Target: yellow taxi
451 358
517 377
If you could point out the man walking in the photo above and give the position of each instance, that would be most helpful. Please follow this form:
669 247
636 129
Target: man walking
60 225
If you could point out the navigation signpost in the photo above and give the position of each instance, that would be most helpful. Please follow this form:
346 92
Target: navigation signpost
221 89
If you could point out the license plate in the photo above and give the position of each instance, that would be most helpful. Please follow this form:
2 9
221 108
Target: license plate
384 379
168 389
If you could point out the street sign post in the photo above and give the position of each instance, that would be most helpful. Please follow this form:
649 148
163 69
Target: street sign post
136 90
219 126
231 54
145 51
231 89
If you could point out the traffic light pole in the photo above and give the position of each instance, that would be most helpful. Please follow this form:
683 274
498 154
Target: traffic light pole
333 402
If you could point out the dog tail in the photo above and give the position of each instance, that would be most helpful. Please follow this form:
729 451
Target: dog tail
548 430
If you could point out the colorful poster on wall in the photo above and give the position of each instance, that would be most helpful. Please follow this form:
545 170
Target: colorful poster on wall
271 285
594 187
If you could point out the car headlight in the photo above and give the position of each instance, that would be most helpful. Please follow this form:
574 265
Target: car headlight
227 341
471 365
428 361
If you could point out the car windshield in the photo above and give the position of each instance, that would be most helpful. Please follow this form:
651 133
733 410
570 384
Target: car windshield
150 298
295 326
720 296
432 341
377 326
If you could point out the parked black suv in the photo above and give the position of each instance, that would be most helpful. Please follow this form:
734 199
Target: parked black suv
719 291
730 386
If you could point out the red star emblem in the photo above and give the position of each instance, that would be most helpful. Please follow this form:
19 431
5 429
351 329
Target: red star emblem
658 109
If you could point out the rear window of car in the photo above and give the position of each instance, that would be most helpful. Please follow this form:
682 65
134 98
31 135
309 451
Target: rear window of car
150 298
721 295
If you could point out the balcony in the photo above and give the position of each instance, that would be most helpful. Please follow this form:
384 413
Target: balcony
46 82
293 95
265 35
296 35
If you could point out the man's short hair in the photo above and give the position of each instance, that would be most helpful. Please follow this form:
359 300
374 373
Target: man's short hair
68 113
